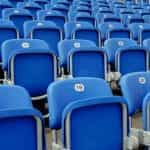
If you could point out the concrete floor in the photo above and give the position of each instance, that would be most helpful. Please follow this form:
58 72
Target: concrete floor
136 122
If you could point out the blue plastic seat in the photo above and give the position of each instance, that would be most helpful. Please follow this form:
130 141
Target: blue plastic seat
135 28
56 17
119 33
7 31
85 100
30 6
18 16
4 4
105 27
42 3
23 61
14 2
85 18
44 30
110 18
134 87
63 10
135 19
70 28
88 56
84 114
18 119
76 89
65 46
127 60
111 46
144 34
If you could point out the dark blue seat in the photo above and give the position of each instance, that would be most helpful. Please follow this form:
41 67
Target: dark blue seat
23 61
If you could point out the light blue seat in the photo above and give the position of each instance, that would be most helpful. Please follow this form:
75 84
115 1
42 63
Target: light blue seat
7 31
23 61
4 4
84 99
88 56
111 46
44 30
18 120
104 28
135 28
144 34
56 17
127 60
18 16
42 3
91 87
135 87
112 121
65 46
31 6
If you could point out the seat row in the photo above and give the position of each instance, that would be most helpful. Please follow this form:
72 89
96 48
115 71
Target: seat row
84 109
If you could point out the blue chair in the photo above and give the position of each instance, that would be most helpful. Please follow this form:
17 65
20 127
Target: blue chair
32 7
14 2
18 16
7 31
146 18
4 4
70 27
18 119
135 29
42 3
111 46
135 19
65 46
144 34
105 27
134 87
119 33
75 89
23 62
63 10
56 17
88 56
111 120
110 18
44 30
85 18
127 60
85 100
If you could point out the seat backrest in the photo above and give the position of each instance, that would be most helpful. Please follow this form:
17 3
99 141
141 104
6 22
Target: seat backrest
105 27
75 89
3 5
144 34
31 6
127 60
44 30
91 34
8 30
23 60
18 119
134 87
70 27
119 33
18 16
97 119
112 45
65 46
88 56
135 28
55 17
